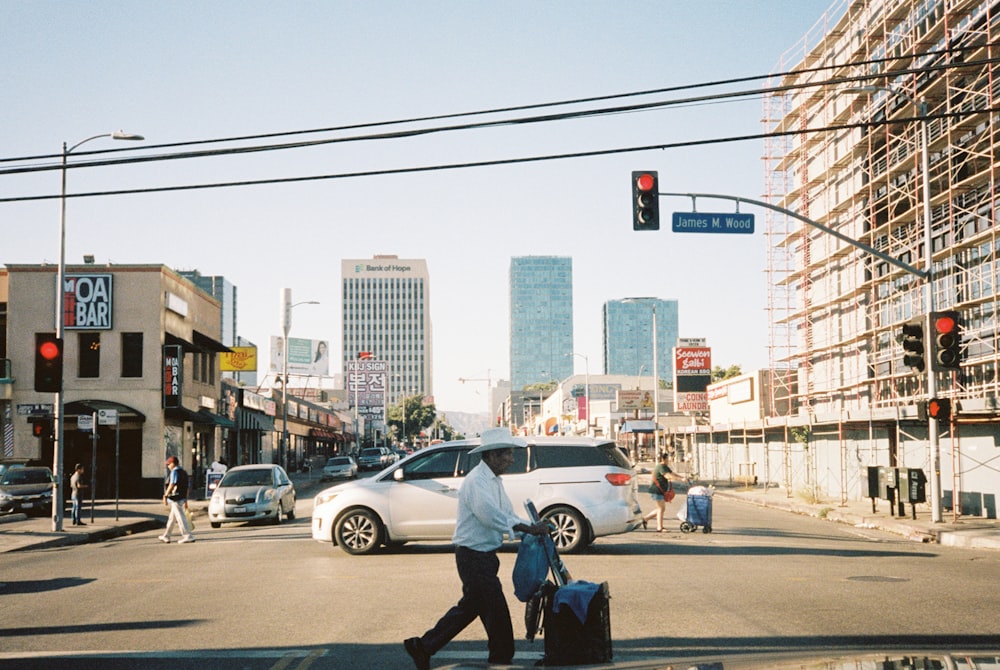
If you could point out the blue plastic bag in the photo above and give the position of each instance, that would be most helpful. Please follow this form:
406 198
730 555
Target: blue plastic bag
532 566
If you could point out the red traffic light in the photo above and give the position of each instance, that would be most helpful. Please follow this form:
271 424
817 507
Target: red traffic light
48 350
945 324
645 182
37 429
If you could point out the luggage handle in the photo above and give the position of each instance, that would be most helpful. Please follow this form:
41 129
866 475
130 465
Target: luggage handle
559 571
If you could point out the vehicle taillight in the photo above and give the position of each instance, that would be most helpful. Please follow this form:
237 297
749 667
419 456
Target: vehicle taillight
618 478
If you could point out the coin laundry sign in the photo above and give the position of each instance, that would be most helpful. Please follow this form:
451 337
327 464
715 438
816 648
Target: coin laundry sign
87 302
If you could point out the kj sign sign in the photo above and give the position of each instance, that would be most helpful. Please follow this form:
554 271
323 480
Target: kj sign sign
86 302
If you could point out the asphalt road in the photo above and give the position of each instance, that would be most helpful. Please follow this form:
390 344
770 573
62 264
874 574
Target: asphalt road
270 597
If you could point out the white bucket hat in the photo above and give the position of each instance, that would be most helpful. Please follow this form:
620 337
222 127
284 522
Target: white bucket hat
498 438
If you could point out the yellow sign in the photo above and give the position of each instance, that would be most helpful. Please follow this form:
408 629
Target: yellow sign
240 359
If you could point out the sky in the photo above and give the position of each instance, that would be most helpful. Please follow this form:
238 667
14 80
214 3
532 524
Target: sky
194 71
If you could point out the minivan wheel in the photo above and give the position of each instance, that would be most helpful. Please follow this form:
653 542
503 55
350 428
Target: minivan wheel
358 531
571 533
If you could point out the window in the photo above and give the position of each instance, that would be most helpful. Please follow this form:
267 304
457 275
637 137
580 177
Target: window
435 465
90 354
131 354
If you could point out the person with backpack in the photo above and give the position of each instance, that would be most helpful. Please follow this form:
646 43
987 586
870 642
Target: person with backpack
174 497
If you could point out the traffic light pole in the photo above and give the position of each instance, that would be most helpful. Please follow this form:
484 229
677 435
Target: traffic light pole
933 438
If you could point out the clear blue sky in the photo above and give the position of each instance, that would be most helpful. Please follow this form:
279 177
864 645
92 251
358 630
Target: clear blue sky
184 71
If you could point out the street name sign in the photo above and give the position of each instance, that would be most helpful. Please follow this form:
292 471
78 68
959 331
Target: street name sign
711 222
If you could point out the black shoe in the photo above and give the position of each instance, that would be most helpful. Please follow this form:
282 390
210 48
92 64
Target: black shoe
415 648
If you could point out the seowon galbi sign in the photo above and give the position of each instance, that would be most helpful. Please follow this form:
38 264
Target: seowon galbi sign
87 302
692 375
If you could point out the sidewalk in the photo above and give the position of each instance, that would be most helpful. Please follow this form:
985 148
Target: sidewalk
19 532
970 532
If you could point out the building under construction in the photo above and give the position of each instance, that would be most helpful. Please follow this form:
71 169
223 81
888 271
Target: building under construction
882 129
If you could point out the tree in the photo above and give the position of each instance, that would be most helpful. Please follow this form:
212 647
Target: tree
418 416
719 373
444 430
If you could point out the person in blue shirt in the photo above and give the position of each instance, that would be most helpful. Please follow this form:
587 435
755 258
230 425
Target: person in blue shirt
174 497
485 517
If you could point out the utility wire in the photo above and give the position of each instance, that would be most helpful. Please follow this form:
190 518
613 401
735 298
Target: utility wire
491 163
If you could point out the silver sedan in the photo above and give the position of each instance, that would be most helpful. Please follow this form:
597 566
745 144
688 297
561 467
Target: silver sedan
252 493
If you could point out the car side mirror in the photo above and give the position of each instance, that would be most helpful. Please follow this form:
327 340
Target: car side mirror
397 474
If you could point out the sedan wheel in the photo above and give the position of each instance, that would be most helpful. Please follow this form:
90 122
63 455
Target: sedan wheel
277 515
570 532
359 531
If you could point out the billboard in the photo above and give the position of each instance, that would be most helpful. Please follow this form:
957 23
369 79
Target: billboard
692 375
240 359
305 357
366 387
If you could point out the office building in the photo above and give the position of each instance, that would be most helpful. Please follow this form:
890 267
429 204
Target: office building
541 319
387 314
628 337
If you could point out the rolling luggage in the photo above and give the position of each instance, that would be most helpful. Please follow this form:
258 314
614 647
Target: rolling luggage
575 616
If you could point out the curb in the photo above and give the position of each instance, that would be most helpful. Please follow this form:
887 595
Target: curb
102 535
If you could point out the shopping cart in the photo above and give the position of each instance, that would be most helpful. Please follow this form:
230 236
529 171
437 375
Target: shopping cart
698 510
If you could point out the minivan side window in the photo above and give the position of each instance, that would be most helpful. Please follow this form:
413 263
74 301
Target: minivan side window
520 465
438 464
568 456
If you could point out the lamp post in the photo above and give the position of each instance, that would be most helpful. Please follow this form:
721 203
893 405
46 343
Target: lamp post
934 441
286 328
586 387
58 410
656 374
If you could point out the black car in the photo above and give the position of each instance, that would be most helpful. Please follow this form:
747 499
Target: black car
26 489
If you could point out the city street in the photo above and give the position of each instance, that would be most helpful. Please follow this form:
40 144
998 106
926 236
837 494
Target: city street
269 597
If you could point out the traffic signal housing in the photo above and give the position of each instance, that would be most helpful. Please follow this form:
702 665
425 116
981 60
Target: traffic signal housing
946 350
939 408
42 428
913 345
645 201
48 363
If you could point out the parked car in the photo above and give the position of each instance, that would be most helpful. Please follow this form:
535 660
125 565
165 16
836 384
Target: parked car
372 459
252 493
26 489
585 487
339 467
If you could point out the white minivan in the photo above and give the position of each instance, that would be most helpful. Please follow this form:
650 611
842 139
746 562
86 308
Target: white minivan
584 487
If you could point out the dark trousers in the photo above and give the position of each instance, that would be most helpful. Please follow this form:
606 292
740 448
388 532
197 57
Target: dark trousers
482 596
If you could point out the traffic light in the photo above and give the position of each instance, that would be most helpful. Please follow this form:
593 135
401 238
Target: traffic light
947 354
939 408
913 345
48 363
645 201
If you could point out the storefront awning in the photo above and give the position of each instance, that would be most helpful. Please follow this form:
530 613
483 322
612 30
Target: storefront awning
640 426
256 421
201 417
88 407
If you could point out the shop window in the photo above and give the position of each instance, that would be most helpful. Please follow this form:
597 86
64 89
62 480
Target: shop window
90 355
131 354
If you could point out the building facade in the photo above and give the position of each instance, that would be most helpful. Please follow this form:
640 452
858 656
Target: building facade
628 337
140 340
881 128
541 319
387 313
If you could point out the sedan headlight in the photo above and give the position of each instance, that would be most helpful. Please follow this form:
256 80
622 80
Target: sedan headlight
325 497
269 495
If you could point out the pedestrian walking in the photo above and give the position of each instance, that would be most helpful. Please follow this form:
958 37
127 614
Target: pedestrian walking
661 490
174 497
485 516
76 484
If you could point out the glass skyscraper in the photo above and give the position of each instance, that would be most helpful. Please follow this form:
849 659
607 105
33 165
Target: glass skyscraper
628 337
541 319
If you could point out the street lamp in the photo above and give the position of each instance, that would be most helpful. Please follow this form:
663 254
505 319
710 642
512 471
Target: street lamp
586 388
931 380
57 419
286 327
656 374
